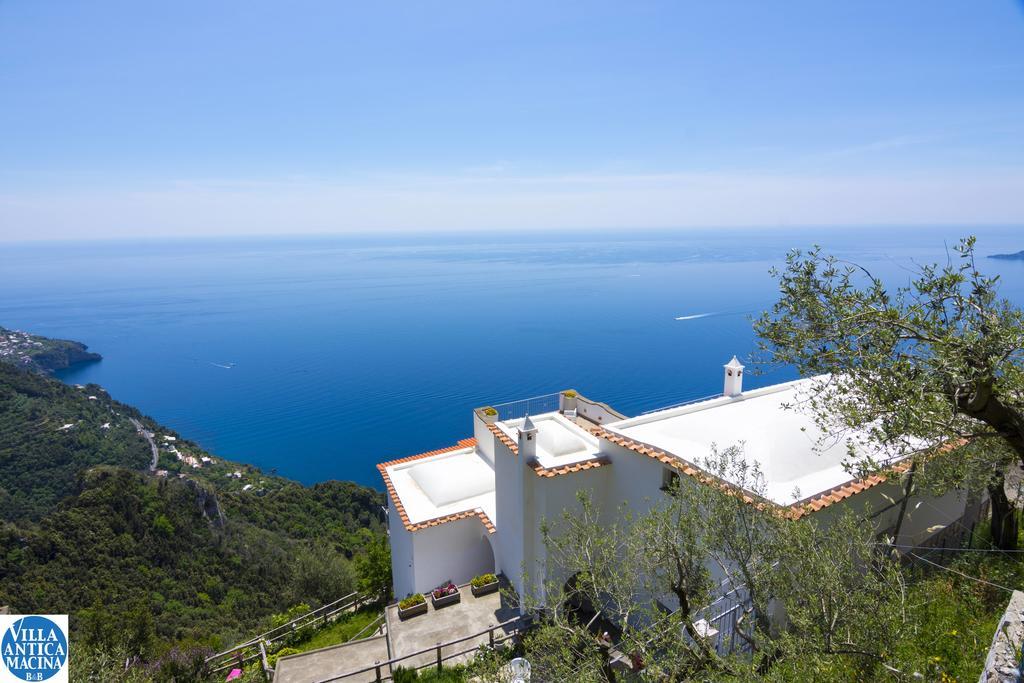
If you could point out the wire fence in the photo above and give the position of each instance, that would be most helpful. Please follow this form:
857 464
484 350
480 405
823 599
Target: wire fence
537 405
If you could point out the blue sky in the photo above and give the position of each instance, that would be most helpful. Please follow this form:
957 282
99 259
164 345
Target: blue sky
183 118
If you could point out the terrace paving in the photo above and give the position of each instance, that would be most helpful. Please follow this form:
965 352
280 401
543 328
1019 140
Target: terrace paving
470 616
326 663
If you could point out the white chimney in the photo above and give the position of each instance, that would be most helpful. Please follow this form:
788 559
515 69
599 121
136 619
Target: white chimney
733 378
528 440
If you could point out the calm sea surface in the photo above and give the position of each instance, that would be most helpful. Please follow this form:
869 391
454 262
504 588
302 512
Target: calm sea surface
321 357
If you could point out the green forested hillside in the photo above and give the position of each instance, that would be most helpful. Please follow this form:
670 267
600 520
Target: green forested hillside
50 432
189 554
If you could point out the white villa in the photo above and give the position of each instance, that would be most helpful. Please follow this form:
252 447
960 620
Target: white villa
477 506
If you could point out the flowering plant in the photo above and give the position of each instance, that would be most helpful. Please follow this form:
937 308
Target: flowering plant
444 589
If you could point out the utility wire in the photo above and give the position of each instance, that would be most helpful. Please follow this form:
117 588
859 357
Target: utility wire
952 550
966 576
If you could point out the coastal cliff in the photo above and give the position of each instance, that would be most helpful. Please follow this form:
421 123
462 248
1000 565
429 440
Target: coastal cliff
42 354
1018 256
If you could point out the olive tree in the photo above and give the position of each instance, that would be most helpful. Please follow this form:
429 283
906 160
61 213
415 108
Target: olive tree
914 368
657 578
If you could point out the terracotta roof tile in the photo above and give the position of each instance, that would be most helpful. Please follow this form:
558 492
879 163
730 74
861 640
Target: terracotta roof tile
794 511
823 500
400 508
568 469
504 438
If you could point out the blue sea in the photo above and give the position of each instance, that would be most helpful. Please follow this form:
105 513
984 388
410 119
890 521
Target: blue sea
319 357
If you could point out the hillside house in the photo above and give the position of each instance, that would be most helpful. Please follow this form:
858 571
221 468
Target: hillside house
477 506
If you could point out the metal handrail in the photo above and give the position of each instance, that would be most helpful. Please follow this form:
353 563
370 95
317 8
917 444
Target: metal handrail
520 400
376 667
375 623
322 612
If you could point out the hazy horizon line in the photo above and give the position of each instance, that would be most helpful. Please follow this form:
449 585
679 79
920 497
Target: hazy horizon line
489 234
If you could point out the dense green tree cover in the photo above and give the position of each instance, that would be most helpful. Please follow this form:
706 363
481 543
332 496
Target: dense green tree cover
331 512
143 562
40 459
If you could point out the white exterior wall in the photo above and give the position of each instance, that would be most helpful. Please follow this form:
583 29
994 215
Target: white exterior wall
484 439
595 412
508 503
402 557
553 497
925 516
454 551
636 481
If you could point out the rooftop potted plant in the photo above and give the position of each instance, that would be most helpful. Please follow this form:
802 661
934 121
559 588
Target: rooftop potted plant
483 584
568 400
411 606
489 414
445 594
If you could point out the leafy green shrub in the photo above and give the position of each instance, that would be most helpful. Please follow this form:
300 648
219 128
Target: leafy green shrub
483 580
283 652
412 601
490 412
403 675
293 613
429 675
373 566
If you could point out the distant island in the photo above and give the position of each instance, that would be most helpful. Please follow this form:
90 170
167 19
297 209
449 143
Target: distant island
42 354
1019 256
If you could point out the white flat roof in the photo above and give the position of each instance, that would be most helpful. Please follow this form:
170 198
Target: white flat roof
787 445
560 441
444 484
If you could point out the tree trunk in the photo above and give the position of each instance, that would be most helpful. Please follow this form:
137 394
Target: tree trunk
1004 516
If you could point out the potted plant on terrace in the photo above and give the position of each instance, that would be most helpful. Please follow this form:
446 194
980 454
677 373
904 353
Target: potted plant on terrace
568 401
411 606
483 584
445 594
489 415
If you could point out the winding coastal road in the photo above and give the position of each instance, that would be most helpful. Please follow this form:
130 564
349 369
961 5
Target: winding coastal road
148 436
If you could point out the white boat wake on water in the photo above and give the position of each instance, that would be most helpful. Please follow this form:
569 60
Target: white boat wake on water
226 366
695 316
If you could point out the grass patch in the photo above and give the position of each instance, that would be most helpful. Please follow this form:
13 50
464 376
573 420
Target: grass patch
456 674
340 631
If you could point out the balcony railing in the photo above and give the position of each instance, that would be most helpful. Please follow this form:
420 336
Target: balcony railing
537 405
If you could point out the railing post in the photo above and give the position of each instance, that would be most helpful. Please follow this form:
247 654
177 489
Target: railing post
439 656
377 667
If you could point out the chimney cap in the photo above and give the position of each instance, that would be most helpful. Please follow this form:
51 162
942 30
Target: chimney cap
734 363
528 425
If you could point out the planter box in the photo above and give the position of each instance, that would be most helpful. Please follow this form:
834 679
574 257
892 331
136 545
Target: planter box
446 600
484 589
413 611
